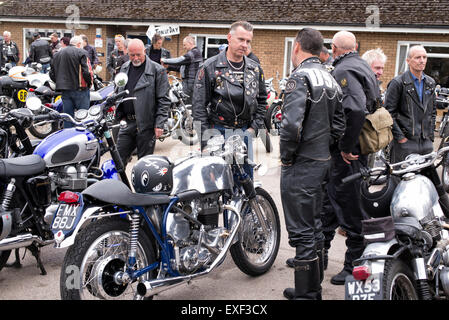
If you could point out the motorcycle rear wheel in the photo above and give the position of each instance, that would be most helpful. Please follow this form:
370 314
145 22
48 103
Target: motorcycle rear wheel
254 253
99 251
398 283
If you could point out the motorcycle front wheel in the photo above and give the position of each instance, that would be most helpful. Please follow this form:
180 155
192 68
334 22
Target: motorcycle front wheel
187 133
254 252
398 281
99 252
44 130
272 121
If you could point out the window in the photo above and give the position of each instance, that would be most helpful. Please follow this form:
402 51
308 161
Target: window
45 34
209 44
437 60
288 66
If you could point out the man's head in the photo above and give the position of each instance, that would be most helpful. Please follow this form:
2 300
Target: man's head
308 43
77 41
324 54
343 42
54 37
120 42
417 59
36 35
136 52
239 37
65 41
85 40
188 43
7 36
157 41
376 60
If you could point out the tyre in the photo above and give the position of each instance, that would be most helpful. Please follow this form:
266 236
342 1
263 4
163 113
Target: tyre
398 283
254 252
265 137
45 130
100 250
445 172
187 133
272 119
4 256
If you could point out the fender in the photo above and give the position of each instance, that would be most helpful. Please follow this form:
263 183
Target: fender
377 249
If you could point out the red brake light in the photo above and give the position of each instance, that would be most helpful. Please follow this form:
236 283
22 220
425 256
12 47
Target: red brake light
361 272
68 197
30 90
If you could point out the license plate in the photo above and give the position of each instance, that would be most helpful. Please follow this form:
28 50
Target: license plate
66 216
369 289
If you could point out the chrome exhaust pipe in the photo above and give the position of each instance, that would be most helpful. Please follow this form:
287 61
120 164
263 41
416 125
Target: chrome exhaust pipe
150 288
22 240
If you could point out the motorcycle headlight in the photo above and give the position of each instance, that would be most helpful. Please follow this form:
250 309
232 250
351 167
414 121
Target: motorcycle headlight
81 114
34 104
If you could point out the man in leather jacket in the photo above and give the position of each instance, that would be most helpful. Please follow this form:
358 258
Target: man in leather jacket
187 65
155 51
70 70
9 50
410 98
145 116
361 94
40 51
312 122
118 56
229 91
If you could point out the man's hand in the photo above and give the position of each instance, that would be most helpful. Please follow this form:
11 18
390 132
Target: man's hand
403 140
252 132
348 157
158 132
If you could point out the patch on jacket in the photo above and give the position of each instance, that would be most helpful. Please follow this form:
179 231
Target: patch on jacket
344 82
290 85
201 74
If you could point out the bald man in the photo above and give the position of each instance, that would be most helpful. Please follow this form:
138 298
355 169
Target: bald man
361 95
410 98
146 115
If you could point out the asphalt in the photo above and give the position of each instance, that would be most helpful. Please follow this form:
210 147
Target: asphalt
227 282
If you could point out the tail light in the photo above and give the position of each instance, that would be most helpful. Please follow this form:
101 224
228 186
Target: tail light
30 90
361 272
48 105
68 197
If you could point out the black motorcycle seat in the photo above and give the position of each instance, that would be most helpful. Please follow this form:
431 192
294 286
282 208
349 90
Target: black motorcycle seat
116 192
22 166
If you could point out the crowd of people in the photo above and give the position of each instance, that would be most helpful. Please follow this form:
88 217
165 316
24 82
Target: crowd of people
327 97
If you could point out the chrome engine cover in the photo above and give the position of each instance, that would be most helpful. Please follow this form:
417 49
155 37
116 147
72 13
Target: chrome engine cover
205 174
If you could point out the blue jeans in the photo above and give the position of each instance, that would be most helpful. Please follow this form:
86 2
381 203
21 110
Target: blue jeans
73 100
247 138
45 68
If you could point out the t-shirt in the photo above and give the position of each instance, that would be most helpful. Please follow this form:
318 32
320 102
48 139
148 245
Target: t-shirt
134 74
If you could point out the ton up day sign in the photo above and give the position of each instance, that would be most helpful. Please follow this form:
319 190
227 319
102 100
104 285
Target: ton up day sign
163 30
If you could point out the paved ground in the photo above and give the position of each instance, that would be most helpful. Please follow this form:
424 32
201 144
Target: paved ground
226 283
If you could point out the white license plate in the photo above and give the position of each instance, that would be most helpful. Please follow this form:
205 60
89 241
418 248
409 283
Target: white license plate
65 217
369 289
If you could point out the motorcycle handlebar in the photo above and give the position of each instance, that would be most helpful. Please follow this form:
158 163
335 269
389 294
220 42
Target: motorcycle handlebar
351 178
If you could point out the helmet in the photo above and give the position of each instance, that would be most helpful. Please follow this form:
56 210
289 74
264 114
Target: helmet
152 173
377 203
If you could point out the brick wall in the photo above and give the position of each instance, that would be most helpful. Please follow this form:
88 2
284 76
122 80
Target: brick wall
268 45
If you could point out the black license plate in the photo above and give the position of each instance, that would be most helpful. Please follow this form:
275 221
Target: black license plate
65 217
369 289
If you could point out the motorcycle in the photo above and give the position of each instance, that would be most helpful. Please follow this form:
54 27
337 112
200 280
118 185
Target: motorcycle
180 121
66 160
135 245
273 117
407 243
442 102
14 87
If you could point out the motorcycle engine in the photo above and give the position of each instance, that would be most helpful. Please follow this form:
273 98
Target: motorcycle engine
196 246
70 177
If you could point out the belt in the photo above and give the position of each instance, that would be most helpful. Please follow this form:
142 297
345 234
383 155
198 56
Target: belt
131 117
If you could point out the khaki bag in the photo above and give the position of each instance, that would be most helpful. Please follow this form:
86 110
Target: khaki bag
376 133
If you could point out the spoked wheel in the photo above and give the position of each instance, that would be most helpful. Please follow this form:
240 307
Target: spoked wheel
255 251
273 118
398 281
92 265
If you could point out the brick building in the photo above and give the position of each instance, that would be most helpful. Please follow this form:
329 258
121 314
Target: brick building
392 25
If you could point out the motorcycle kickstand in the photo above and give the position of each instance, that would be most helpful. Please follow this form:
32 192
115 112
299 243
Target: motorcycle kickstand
36 252
16 264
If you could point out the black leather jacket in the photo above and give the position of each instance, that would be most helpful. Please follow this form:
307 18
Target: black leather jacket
152 103
40 51
216 87
361 94
115 62
68 67
312 116
187 64
412 118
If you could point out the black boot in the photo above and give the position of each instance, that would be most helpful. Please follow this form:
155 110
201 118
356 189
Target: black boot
307 281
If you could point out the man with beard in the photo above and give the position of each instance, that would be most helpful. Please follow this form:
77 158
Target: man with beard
146 115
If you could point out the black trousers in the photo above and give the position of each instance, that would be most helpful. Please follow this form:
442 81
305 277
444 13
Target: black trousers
400 151
301 195
129 139
346 210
